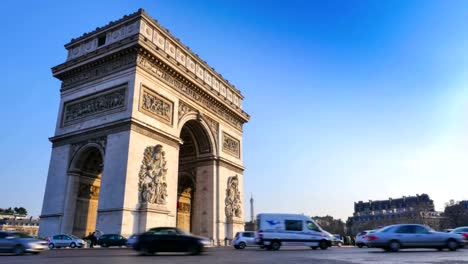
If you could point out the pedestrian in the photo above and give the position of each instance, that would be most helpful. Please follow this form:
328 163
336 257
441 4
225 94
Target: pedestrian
94 238
91 239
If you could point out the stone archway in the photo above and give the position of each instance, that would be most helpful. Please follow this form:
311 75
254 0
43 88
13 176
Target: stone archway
197 148
168 128
87 168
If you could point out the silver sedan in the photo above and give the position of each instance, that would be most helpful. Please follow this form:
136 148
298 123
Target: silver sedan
396 237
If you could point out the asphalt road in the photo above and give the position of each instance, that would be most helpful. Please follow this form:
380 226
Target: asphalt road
334 255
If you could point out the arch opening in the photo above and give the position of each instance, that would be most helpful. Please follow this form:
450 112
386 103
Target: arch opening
87 167
196 145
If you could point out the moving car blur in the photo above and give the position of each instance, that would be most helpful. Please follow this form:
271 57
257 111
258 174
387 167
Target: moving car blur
20 243
170 239
396 237
463 231
361 238
132 240
110 240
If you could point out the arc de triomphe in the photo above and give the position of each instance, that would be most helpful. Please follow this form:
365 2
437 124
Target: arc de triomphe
147 135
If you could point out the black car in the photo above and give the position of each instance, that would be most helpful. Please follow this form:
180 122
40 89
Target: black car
109 240
170 239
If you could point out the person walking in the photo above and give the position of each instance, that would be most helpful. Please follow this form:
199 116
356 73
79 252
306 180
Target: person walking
94 238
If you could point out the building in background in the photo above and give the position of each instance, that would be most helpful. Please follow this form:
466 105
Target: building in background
331 225
27 225
456 214
417 209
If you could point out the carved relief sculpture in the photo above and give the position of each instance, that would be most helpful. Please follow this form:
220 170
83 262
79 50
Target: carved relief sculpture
88 191
233 198
152 178
98 103
231 145
156 105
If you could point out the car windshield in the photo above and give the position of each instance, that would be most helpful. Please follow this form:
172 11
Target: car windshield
183 232
74 237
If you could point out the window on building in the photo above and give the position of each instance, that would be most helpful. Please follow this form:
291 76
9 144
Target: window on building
101 40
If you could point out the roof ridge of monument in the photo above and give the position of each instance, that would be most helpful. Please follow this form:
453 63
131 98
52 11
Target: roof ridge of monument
142 13
103 28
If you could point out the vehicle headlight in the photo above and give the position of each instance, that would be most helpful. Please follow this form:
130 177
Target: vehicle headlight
206 242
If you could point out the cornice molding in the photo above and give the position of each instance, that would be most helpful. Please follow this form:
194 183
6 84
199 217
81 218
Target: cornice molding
116 127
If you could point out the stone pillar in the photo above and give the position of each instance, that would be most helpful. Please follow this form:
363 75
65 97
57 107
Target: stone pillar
151 215
233 225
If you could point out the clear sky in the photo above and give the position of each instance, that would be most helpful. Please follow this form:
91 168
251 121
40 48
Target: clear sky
350 100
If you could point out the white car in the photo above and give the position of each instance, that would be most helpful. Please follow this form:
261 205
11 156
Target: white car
361 238
58 241
244 239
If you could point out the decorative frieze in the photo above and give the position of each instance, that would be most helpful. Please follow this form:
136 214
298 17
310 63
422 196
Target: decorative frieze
92 105
190 92
184 109
156 105
152 184
233 204
231 145
214 127
114 64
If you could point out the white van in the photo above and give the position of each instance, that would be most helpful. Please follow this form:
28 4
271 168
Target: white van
276 230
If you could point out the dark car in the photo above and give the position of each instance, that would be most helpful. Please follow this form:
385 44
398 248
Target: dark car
169 239
109 240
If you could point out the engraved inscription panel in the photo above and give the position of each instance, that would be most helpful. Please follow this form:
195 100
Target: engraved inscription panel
95 104
231 145
156 105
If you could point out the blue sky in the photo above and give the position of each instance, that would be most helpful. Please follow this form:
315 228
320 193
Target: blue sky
350 100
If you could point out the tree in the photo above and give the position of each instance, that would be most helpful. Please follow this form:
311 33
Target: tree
20 211
456 213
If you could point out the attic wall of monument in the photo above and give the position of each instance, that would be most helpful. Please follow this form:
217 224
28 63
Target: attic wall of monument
97 103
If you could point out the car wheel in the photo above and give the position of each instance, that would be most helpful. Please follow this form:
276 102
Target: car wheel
19 250
323 244
51 245
194 249
275 245
359 245
394 246
104 245
452 245
242 245
73 245
314 248
144 251
236 247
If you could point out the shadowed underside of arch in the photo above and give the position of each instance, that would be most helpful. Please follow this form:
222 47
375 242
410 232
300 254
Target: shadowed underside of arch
196 144
195 139
88 166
